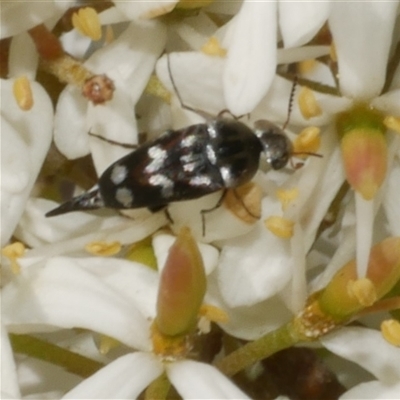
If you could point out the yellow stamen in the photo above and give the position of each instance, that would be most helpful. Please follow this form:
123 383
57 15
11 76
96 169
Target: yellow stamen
391 331
209 313
213 48
287 196
363 290
245 202
280 226
107 343
214 313
23 93
86 21
103 248
306 66
308 104
392 123
308 140
12 252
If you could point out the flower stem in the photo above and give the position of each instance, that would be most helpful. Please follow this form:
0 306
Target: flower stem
96 88
271 343
158 389
37 348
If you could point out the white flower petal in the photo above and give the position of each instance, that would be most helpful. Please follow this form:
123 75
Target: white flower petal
367 348
296 54
23 57
317 182
142 9
29 135
39 379
373 390
9 379
36 230
75 44
253 267
137 283
391 200
274 106
124 378
129 63
299 21
251 59
70 127
388 103
17 17
62 293
362 33
245 322
195 380
115 121
71 234
197 79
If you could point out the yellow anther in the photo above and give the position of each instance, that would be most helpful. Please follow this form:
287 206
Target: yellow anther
391 331
332 52
308 104
156 88
279 226
306 66
213 313
213 48
363 290
86 21
287 196
245 202
23 93
12 252
392 123
103 248
308 140
107 343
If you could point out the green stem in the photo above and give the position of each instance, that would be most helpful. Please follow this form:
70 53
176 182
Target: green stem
261 348
158 389
37 348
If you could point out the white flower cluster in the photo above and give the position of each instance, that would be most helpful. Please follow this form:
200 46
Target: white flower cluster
257 278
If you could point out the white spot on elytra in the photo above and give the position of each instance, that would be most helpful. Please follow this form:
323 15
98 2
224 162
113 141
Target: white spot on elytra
188 141
124 196
212 130
166 184
211 154
118 174
227 176
200 180
158 156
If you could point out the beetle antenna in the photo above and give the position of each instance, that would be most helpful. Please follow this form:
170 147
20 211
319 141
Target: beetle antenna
178 95
291 99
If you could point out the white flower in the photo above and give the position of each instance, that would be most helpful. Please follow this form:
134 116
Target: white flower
370 351
129 63
113 297
18 17
26 138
